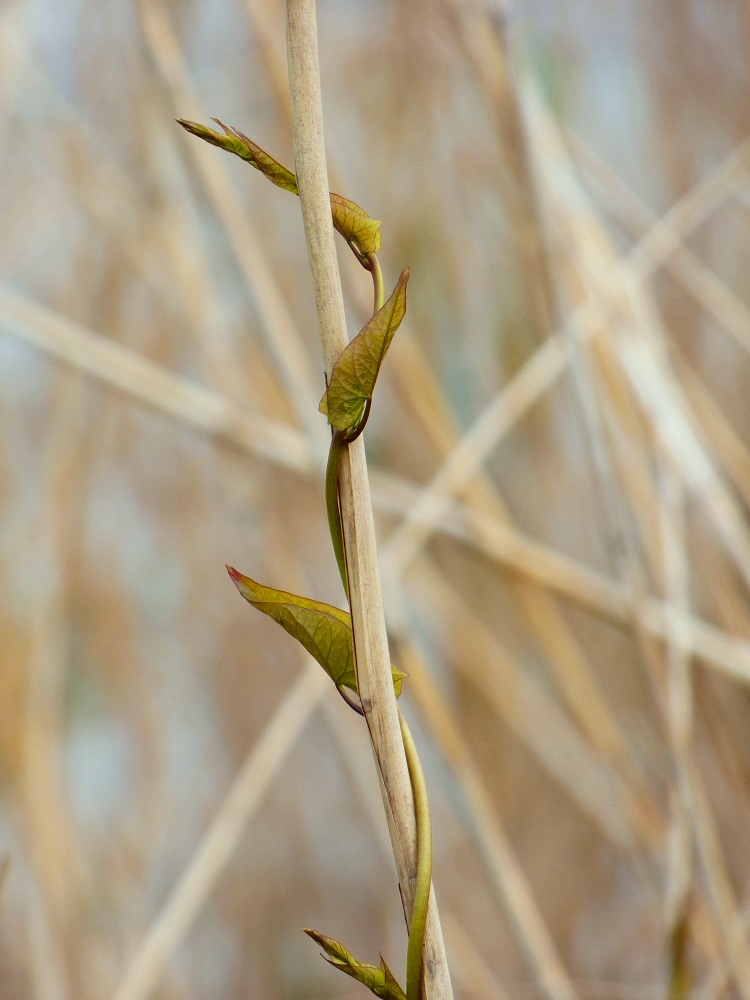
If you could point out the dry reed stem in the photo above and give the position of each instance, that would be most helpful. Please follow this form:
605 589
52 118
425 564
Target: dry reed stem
477 979
54 848
548 362
562 649
564 223
718 883
211 413
482 31
231 818
153 385
473 975
567 658
521 555
588 259
729 603
659 395
677 708
694 276
672 413
565 655
732 451
507 877
625 817
420 392
714 983
718 301
156 239
489 49
281 337
665 404
692 808
368 623
466 973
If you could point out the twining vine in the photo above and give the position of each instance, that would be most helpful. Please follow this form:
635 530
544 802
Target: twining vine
326 631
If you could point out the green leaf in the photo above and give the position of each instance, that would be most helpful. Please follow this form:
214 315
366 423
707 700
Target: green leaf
379 981
235 142
272 169
390 981
356 369
324 631
354 224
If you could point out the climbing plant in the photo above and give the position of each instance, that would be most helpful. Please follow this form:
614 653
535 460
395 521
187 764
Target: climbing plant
325 631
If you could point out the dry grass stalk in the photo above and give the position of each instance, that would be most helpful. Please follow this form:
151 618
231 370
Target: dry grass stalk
233 814
368 622
113 207
281 337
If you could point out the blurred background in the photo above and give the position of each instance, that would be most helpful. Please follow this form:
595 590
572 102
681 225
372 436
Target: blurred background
560 461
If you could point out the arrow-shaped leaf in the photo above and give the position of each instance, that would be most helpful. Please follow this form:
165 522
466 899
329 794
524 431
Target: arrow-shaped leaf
356 369
392 986
354 224
324 631
235 142
271 168
379 981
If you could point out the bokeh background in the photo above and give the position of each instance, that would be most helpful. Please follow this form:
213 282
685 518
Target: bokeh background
560 461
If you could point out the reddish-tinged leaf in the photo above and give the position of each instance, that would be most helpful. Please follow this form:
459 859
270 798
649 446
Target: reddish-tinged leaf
356 369
354 224
324 631
394 990
272 169
379 981
235 142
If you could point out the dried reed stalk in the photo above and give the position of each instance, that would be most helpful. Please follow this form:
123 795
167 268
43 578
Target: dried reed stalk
371 644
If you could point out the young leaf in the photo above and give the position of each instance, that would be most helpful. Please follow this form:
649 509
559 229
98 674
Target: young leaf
272 169
235 142
324 631
356 369
379 981
354 224
390 981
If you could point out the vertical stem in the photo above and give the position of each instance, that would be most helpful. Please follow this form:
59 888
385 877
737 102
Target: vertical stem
371 646
377 281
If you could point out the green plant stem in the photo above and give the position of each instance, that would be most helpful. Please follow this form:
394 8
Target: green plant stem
338 442
374 677
377 280
424 865
416 776
342 438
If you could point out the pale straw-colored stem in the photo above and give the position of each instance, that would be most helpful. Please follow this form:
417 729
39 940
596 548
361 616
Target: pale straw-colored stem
371 645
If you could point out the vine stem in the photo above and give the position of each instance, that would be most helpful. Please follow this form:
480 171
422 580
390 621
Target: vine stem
424 865
377 280
423 885
368 623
